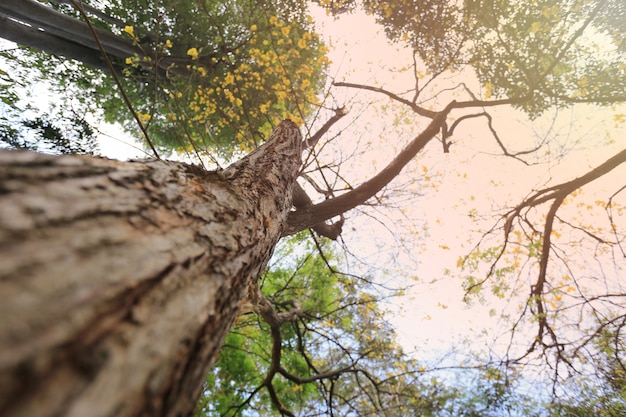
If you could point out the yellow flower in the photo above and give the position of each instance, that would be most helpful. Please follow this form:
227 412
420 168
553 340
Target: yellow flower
229 79
302 44
168 43
253 28
144 117
193 53
129 61
130 30
285 30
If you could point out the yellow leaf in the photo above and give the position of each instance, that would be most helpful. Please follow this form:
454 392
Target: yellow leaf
229 79
535 27
488 90
143 117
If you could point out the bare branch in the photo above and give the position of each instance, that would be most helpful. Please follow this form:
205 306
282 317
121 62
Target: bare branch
312 141
417 109
537 289
310 215
567 188
505 151
609 211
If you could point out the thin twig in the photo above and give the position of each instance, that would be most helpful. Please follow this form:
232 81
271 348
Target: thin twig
80 9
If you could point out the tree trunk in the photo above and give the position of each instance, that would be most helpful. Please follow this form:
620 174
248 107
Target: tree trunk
120 280
35 38
35 25
61 26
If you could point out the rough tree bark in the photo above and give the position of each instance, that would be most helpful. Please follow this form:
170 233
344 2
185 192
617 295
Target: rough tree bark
119 280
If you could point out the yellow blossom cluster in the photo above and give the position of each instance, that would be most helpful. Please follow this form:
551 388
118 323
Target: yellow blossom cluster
275 76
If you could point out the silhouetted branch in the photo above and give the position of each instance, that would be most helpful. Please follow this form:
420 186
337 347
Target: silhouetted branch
417 109
310 215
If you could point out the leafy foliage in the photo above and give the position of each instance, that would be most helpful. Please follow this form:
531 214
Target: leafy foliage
50 132
214 75
538 54
244 66
339 356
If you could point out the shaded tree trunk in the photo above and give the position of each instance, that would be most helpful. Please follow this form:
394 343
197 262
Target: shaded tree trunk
56 33
36 25
120 280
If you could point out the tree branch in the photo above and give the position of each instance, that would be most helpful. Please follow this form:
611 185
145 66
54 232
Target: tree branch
312 141
302 202
555 191
314 214
417 109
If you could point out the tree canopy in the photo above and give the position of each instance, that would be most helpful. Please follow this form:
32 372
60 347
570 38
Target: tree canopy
532 55
192 72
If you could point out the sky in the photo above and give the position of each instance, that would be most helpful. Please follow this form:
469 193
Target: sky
425 237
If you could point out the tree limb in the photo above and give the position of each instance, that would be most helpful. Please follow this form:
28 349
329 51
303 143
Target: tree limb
311 215
312 141
568 187
417 109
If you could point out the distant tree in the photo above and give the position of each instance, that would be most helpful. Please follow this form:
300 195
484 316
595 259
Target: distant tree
602 391
337 356
78 138
52 133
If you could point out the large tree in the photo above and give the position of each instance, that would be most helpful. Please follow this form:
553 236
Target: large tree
145 320
117 301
